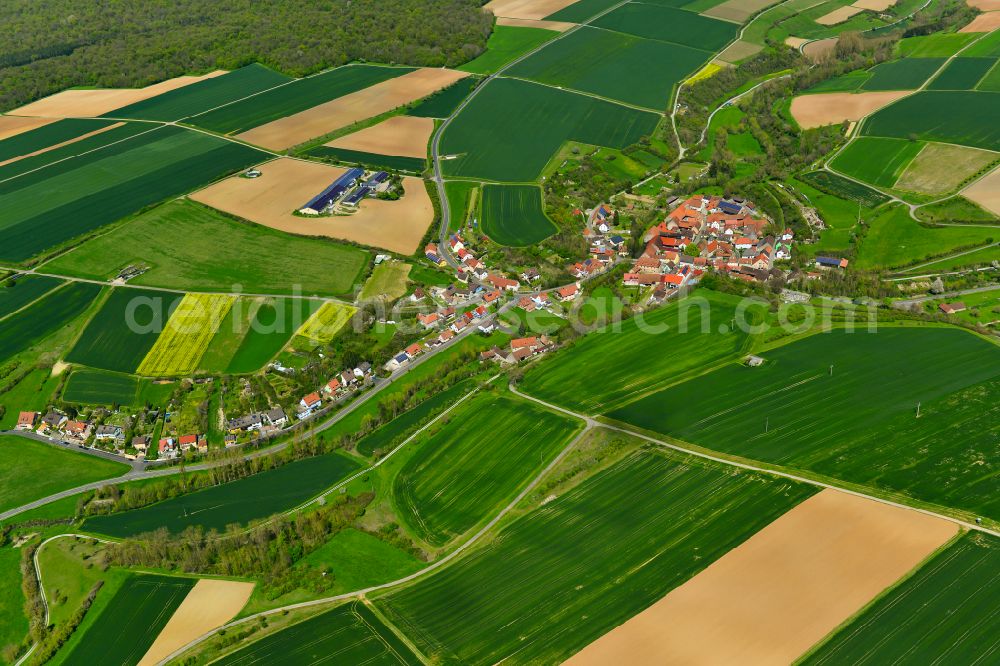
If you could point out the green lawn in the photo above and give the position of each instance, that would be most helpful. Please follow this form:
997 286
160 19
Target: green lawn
177 242
33 393
69 573
743 145
241 501
513 215
349 634
556 579
857 424
13 622
89 191
660 347
505 44
876 160
128 625
31 470
947 612
459 193
511 129
466 468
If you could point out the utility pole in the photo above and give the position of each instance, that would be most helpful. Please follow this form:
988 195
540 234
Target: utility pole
831 369
918 410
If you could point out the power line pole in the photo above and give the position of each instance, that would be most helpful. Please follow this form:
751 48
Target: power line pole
918 410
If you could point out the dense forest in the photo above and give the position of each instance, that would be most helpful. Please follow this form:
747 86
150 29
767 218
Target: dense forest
49 45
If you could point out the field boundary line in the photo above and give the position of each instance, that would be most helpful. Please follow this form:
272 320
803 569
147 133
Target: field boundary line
763 470
411 577
584 93
30 303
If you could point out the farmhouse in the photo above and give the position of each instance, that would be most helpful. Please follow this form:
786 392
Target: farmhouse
109 433
26 420
189 442
167 448
140 443
51 421
308 404
246 423
952 308
831 262
77 430
276 417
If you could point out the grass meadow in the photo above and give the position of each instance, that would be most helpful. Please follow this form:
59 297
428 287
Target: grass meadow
506 43
177 243
96 387
89 191
876 160
241 501
352 633
513 215
614 65
552 581
511 129
941 45
948 611
962 117
460 193
43 317
132 620
858 424
468 465
30 470
635 361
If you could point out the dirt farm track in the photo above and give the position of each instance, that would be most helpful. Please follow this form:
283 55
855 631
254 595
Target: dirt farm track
287 184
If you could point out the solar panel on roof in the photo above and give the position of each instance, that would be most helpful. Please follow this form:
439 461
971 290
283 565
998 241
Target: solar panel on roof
377 178
337 188
357 195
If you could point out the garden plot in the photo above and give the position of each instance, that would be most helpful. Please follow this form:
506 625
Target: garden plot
774 596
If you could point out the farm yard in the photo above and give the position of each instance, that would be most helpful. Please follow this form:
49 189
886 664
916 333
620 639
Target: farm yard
678 326
947 610
511 129
352 632
186 335
92 190
586 561
464 469
859 423
175 243
240 502
513 215
286 184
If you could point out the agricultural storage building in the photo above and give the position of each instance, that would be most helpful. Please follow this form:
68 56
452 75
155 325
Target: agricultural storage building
357 196
327 197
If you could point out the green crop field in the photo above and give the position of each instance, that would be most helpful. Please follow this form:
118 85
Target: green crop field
94 387
613 65
513 215
876 160
669 24
390 434
370 160
947 612
297 96
175 242
840 187
511 129
991 82
459 194
272 327
52 205
27 165
464 470
242 501
962 74
940 45
581 10
895 239
124 329
204 95
348 634
845 83
857 424
30 470
444 102
505 44
48 135
987 47
563 575
14 295
905 74
185 337
962 117
44 316
129 624
658 346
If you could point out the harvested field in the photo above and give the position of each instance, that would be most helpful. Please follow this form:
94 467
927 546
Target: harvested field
925 175
400 135
984 23
839 15
984 5
286 184
777 594
97 102
820 48
209 605
738 11
13 125
558 26
874 5
986 192
796 42
293 130
526 9
64 143
829 108
738 50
